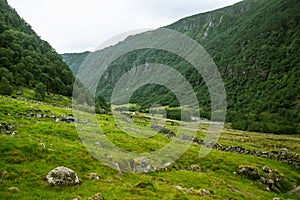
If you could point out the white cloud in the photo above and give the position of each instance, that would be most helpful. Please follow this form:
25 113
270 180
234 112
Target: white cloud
73 25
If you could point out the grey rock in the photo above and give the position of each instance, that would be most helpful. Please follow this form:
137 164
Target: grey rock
140 165
70 119
190 190
97 196
62 176
295 191
266 169
94 176
179 187
203 192
195 168
249 172
16 189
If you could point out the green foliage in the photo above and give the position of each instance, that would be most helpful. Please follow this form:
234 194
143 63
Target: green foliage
255 45
5 87
26 60
101 106
40 91
74 60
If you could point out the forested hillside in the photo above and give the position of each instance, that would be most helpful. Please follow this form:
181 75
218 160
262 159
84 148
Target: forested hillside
74 60
28 61
256 46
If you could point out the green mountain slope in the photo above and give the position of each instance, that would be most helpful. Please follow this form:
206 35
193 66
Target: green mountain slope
255 45
74 60
26 60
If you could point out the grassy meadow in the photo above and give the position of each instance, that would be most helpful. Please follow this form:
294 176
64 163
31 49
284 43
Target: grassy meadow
41 144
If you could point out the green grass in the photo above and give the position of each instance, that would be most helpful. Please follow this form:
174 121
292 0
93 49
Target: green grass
24 162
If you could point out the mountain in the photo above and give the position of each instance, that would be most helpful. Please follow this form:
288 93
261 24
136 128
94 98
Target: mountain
74 60
254 43
28 61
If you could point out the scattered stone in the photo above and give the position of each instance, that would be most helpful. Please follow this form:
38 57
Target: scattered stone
266 169
30 115
187 137
161 129
249 172
203 192
62 176
43 145
200 192
276 176
76 198
95 176
70 119
190 190
276 198
263 180
274 188
14 189
178 187
97 196
7 128
140 165
119 169
195 168
295 191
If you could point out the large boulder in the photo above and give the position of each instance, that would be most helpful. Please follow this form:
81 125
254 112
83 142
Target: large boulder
62 176
140 165
249 172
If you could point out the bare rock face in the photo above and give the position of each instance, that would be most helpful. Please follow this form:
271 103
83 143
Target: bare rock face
62 176
140 165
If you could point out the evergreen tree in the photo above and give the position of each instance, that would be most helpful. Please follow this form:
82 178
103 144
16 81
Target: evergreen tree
40 91
5 87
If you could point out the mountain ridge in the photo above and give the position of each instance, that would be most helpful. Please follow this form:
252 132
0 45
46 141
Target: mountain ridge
254 44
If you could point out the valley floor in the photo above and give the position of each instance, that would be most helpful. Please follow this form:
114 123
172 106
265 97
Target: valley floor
33 142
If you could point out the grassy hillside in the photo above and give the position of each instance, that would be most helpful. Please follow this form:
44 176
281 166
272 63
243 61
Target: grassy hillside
41 144
26 60
254 43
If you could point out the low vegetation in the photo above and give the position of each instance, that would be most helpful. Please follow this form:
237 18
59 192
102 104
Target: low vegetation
40 144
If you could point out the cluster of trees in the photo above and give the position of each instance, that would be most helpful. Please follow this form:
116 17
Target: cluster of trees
28 61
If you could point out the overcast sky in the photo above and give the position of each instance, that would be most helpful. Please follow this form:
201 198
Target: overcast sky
77 25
